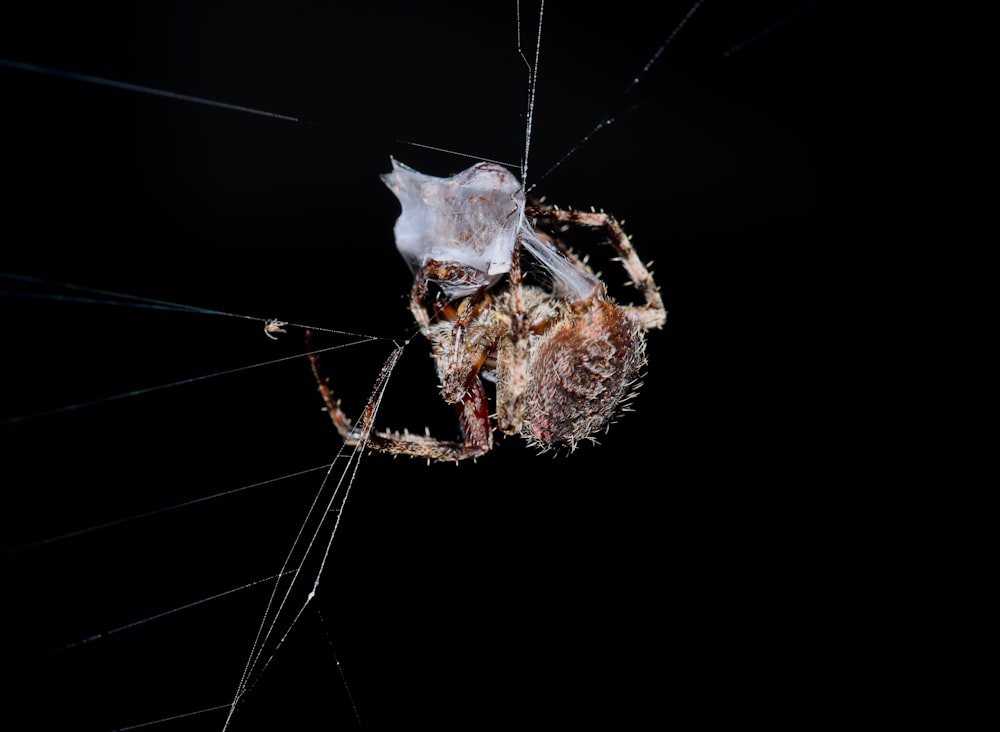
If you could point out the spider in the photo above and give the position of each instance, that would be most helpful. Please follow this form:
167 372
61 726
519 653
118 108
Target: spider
274 326
565 358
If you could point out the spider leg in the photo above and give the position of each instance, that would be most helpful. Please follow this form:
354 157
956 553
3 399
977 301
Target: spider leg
341 421
465 349
652 314
473 413
510 408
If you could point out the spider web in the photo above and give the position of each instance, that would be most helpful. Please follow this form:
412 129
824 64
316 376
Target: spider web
518 587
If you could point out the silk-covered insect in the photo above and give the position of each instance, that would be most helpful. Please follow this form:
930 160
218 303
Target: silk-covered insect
565 358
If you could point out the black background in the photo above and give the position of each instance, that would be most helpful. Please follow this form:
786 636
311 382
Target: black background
682 567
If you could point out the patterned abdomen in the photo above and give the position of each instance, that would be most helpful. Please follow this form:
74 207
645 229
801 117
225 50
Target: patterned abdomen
581 373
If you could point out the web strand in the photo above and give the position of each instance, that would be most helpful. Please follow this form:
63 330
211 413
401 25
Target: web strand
335 506
151 91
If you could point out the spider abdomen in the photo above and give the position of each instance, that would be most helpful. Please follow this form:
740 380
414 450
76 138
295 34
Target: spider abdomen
581 372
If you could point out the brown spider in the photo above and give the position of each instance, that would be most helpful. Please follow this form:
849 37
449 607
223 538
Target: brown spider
565 357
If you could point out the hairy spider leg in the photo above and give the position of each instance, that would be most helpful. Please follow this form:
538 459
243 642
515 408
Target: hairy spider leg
514 352
465 391
652 314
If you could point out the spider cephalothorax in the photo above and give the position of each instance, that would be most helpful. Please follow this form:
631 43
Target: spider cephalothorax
564 356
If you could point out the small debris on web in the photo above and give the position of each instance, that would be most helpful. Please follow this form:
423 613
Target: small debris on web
274 326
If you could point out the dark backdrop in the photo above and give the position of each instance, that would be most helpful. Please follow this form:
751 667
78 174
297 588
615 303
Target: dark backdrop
680 567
